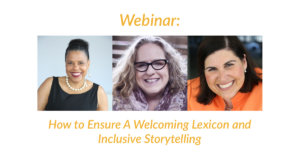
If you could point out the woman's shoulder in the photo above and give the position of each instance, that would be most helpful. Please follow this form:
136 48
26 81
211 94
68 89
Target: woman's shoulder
60 78
93 85
122 104
258 88
193 83
45 87
50 79
91 82
193 80
100 89
44 92
48 82
259 72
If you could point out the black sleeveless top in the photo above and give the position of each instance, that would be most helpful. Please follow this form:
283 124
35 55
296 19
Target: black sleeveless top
60 100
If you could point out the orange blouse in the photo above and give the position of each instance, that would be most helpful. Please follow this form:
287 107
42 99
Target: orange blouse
251 101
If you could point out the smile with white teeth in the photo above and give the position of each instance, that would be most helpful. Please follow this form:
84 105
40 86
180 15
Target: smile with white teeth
75 74
151 80
225 85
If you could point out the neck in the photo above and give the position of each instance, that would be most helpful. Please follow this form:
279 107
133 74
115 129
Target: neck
76 84
153 101
228 104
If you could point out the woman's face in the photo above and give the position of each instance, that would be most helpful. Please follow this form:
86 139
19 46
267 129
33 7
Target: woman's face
224 73
77 65
152 82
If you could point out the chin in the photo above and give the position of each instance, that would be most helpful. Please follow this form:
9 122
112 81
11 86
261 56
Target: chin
153 93
76 79
230 96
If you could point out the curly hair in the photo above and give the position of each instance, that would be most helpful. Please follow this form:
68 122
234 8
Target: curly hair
124 73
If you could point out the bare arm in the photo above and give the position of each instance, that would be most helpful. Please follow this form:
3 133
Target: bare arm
43 93
102 100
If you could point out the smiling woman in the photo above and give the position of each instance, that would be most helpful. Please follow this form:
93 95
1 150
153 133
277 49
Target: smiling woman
151 75
227 78
74 91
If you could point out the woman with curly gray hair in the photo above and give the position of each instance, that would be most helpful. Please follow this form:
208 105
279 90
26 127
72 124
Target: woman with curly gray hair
151 75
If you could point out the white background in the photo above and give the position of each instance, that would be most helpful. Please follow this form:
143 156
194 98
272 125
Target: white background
24 130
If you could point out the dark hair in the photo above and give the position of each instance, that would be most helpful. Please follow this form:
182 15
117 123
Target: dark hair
78 44
211 44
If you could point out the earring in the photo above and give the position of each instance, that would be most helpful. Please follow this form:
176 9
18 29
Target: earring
245 70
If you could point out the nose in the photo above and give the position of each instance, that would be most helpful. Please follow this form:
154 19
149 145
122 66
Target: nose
75 66
150 70
222 76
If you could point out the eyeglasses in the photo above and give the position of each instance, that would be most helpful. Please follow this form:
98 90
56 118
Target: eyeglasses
156 65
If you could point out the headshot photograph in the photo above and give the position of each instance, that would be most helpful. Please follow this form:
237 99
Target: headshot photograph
149 73
225 73
74 73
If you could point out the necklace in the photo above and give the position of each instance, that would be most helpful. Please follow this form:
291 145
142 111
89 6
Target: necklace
75 89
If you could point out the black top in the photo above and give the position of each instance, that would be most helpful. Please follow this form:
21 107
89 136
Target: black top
60 100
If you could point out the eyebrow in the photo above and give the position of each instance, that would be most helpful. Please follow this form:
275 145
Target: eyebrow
224 64
210 67
149 62
230 61
75 61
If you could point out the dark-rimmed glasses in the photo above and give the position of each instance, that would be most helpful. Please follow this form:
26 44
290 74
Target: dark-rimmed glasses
156 65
